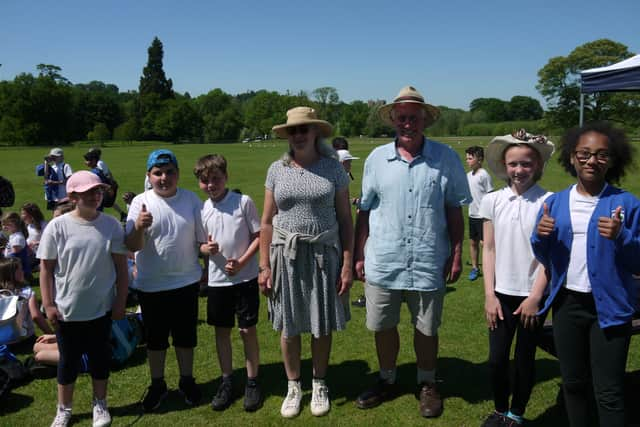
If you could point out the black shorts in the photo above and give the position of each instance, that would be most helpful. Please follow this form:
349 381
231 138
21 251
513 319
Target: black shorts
227 302
172 312
475 228
91 337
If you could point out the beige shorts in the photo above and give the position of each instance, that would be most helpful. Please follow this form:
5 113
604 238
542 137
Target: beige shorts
383 308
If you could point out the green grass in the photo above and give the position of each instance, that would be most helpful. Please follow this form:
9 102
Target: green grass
462 367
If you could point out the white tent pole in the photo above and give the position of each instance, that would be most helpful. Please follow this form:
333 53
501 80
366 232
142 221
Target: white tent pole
581 108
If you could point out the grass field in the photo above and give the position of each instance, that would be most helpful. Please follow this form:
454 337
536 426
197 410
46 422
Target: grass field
462 369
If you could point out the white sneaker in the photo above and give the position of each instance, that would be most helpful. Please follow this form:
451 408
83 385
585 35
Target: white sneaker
63 416
320 404
291 405
101 417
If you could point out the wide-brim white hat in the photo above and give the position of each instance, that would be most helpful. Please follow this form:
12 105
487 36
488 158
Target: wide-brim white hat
409 94
303 116
494 153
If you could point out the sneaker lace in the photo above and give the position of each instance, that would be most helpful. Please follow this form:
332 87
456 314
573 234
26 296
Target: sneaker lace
321 394
62 417
292 397
100 408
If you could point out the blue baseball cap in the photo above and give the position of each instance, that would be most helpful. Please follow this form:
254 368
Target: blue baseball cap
161 157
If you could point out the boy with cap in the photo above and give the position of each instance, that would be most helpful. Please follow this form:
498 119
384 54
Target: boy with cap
56 173
164 229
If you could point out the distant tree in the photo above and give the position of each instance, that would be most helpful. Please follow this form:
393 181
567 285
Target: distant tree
52 72
100 132
327 100
93 103
524 108
352 118
496 110
127 131
222 120
178 120
154 80
376 127
559 84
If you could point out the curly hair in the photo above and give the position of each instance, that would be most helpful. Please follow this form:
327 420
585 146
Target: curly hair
620 150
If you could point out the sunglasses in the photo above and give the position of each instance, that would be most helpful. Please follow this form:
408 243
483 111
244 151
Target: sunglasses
301 129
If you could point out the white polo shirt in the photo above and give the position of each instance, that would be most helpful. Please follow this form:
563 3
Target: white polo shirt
231 222
480 184
513 219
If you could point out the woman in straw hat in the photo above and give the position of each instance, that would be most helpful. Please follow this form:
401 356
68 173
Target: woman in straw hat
510 269
588 236
306 244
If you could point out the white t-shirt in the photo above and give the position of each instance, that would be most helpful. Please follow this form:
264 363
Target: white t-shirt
231 222
582 208
33 235
85 274
63 174
480 184
15 239
513 219
103 167
169 258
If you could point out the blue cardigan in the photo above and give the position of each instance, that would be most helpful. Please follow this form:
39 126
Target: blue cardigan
610 263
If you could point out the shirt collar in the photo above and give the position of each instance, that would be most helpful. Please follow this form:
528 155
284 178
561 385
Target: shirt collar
392 151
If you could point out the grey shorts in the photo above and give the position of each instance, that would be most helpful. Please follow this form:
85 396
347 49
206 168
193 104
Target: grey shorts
383 308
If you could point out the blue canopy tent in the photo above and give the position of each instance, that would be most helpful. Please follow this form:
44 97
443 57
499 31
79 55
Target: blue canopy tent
619 77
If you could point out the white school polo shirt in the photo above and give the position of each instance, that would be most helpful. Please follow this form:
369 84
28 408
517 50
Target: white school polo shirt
513 219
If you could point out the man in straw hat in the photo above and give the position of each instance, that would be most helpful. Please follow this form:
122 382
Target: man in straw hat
411 221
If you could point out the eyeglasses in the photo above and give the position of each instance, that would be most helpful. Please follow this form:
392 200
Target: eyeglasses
301 129
412 119
583 156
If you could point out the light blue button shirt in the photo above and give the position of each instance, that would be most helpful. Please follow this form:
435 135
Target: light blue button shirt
408 242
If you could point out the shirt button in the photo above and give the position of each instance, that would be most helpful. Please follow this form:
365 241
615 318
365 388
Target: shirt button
409 216
408 240
410 190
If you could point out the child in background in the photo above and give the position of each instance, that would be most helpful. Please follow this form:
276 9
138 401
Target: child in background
16 245
12 279
232 223
83 281
93 161
33 217
480 184
510 269
56 174
164 229
588 236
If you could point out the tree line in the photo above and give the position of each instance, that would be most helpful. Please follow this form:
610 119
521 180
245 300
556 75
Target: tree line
47 108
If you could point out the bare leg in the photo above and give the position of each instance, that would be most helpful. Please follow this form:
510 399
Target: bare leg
387 347
426 349
290 347
223 348
184 355
251 350
100 389
320 351
65 395
474 253
156 362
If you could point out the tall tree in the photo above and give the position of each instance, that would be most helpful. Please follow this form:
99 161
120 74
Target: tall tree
494 109
524 108
153 79
327 99
559 83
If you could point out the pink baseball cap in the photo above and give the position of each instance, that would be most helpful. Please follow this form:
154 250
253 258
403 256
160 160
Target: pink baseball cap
83 181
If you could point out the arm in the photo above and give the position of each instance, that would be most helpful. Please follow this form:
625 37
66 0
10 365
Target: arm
492 307
122 285
528 309
345 223
47 267
37 316
135 239
266 235
455 225
362 234
235 265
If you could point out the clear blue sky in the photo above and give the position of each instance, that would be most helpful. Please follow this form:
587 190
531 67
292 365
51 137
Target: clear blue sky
453 51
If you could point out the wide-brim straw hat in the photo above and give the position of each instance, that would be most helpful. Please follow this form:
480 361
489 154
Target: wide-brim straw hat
409 95
494 153
303 116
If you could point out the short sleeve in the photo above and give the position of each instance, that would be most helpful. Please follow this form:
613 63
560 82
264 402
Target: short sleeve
457 191
47 248
117 239
342 179
270 182
486 207
368 194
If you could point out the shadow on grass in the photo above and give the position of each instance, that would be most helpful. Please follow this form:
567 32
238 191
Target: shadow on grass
14 402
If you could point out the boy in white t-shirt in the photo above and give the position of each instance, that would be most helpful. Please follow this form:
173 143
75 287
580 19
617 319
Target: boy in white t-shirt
164 229
83 280
233 227
480 184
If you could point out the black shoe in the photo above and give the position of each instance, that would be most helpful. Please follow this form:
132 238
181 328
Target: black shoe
360 302
223 397
252 397
374 396
495 419
190 390
154 397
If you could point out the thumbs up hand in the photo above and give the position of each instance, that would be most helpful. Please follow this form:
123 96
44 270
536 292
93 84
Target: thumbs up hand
145 219
610 227
547 223
209 248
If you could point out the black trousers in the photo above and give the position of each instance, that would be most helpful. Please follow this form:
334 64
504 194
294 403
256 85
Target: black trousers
500 340
589 356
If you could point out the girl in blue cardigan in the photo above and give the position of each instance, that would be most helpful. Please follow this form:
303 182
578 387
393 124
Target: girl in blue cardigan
588 238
